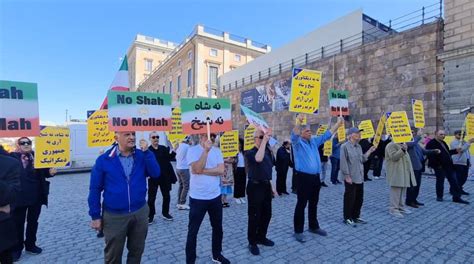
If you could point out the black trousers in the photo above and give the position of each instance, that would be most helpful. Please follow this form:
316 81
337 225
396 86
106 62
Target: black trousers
6 257
30 214
259 195
413 191
378 164
198 210
462 171
353 199
165 192
308 187
335 166
8 239
281 180
442 173
367 168
294 179
239 182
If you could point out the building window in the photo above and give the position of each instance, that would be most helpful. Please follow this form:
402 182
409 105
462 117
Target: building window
171 87
179 83
148 65
163 88
213 52
237 57
179 63
190 77
190 55
213 73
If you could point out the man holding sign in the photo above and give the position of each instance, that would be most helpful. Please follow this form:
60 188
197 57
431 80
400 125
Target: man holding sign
308 166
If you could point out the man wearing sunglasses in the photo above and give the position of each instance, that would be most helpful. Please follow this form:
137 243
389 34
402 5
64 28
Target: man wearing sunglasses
308 166
164 156
120 175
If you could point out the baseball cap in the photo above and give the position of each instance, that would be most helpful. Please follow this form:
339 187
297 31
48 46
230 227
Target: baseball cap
353 130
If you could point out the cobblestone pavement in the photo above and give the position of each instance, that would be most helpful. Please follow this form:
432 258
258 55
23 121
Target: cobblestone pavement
440 232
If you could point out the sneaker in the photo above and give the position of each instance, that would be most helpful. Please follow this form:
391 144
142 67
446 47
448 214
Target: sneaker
405 211
419 204
376 178
254 250
243 200
360 221
238 201
300 237
16 255
324 184
349 222
183 207
318 231
267 242
34 250
167 217
150 221
396 214
220 259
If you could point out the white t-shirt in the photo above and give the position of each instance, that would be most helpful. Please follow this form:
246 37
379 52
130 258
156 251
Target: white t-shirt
181 163
204 187
240 160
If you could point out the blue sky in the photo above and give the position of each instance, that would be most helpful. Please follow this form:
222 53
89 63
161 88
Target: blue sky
72 48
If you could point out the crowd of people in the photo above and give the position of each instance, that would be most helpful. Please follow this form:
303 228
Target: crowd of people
125 180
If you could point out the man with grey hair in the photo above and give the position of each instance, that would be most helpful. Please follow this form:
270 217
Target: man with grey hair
308 166
462 159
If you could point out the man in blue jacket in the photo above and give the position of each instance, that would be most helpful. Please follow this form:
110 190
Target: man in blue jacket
120 174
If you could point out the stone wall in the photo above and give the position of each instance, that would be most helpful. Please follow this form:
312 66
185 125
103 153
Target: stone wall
381 76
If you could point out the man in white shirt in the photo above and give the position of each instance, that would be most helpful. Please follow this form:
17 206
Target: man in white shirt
182 170
206 167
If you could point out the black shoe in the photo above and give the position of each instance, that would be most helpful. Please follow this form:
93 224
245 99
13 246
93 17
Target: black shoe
266 242
318 231
34 250
367 179
419 204
100 234
167 217
150 220
439 199
414 205
16 255
333 182
338 182
464 193
220 259
359 221
459 200
254 250
324 184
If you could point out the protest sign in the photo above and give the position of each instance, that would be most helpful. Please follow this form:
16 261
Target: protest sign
52 148
327 149
367 129
137 111
469 125
98 133
339 102
321 130
379 131
303 122
399 127
19 109
176 134
249 142
254 118
341 133
305 91
229 143
418 113
197 112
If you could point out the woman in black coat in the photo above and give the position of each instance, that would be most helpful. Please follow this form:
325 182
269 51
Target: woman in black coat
33 195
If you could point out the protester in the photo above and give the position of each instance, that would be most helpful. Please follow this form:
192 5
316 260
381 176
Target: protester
400 176
352 173
9 189
417 157
227 180
283 163
366 144
240 176
444 167
164 156
120 175
379 156
259 190
324 162
207 167
32 196
461 160
182 171
335 160
307 163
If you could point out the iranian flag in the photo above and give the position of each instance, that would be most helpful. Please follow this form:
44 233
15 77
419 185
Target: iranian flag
120 82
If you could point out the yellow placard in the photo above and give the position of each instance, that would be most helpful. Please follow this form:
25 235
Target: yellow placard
321 130
469 124
367 129
305 91
176 134
399 127
229 143
249 141
52 148
327 150
98 133
418 113
379 131
302 123
341 133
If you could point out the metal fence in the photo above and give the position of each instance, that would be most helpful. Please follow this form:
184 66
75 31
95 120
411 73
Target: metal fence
422 16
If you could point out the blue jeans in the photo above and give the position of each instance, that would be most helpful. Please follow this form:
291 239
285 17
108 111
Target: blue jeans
335 163
198 210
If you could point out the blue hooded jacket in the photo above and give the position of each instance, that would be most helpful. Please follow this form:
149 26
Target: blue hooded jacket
120 195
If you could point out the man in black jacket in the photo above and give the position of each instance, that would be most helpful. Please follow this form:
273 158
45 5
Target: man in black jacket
283 162
444 167
164 156
366 145
9 187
